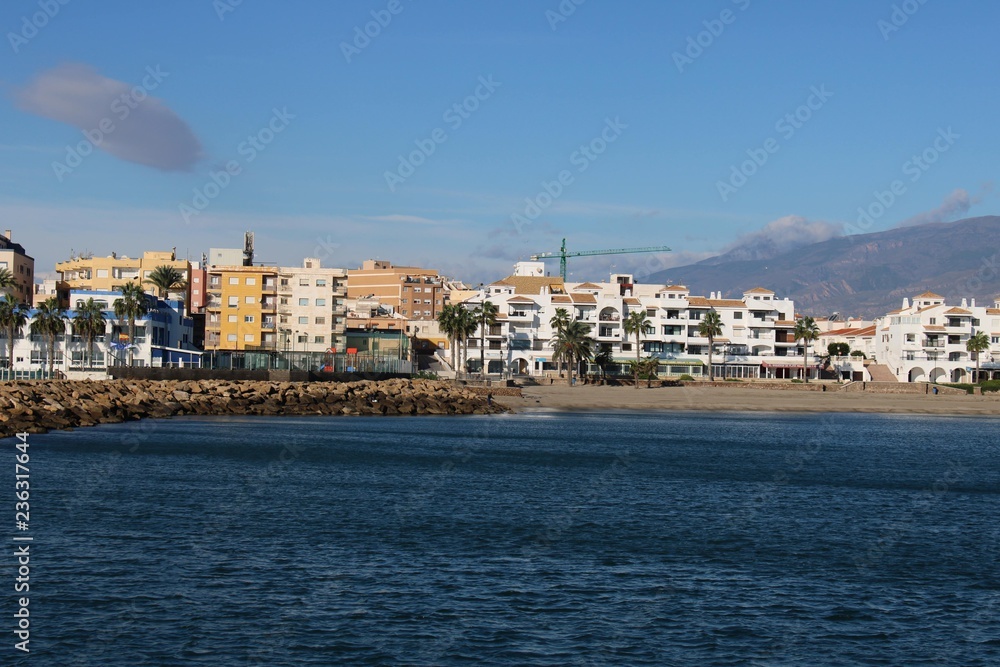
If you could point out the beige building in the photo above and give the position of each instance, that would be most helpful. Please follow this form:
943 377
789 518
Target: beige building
312 313
16 260
106 273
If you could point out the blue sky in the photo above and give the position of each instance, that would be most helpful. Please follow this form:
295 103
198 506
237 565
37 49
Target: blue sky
674 129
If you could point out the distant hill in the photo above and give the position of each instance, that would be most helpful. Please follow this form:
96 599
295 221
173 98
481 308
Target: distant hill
862 275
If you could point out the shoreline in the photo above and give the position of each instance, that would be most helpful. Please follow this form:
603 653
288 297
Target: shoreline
692 398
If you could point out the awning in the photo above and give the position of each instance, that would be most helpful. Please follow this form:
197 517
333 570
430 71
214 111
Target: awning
788 365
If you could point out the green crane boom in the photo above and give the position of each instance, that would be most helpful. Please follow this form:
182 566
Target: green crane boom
562 254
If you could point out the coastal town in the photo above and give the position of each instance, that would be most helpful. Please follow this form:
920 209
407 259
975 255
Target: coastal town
225 311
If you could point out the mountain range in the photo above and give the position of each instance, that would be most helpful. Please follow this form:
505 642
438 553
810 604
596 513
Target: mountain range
861 275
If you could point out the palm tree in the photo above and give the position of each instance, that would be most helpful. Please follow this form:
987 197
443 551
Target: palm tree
573 343
12 320
465 326
89 323
166 279
448 322
602 359
485 316
7 280
979 342
559 322
49 322
710 327
807 331
132 305
636 324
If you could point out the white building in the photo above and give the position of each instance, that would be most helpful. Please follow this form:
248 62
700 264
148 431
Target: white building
312 314
925 341
756 341
163 337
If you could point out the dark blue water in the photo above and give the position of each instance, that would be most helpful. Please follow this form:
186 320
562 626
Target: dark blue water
679 539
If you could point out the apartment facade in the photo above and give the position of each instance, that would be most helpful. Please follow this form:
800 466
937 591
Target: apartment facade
312 313
14 258
164 336
106 273
757 338
924 341
412 293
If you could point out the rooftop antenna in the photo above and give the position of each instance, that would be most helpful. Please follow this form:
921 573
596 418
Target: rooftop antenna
248 249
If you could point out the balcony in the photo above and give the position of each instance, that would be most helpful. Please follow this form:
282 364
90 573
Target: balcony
520 315
933 344
267 325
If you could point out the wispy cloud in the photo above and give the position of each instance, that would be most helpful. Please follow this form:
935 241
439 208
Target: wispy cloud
144 130
780 236
955 205
410 220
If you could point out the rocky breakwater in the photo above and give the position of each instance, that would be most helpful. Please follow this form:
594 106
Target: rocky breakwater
39 406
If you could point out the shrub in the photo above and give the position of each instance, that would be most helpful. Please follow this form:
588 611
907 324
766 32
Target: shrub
425 375
686 378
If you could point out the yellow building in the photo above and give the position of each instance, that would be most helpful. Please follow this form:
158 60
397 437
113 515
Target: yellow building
241 311
106 273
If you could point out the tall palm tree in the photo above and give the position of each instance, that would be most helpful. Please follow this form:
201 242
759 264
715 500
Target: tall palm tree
89 323
132 305
465 326
979 342
559 322
710 327
7 280
49 322
636 324
807 331
447 321
12 320
574 344
486 316
166 279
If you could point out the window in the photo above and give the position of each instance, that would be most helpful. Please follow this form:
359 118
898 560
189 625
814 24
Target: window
231 338
247 338
321 282
102 273
303 282
284 282
319 339
234 280
320 320
738 315
232 318
320 302
303 302
933 320
248 319
234 301
249 299
303 320
251 281
626 347
303 339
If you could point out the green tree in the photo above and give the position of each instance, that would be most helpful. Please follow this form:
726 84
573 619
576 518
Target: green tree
166 279
603 358
448 320
559 322
978 343
12 320
89 323
466 326
646 368
710 327
7 281
133 304
838 349
49 322
635 325
574 344
807 331
486 317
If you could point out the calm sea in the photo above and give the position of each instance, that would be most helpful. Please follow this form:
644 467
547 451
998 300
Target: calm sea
541 539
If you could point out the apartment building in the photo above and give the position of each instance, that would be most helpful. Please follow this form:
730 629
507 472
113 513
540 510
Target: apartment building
86 272
924 341
14 258
757 338
275 309
312 313
411 292
163 337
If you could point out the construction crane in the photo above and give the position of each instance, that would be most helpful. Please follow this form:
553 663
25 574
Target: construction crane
562 254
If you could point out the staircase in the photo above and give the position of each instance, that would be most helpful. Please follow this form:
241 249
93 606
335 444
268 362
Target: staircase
880 373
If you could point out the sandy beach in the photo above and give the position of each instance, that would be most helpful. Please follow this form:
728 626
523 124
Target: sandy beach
693 397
